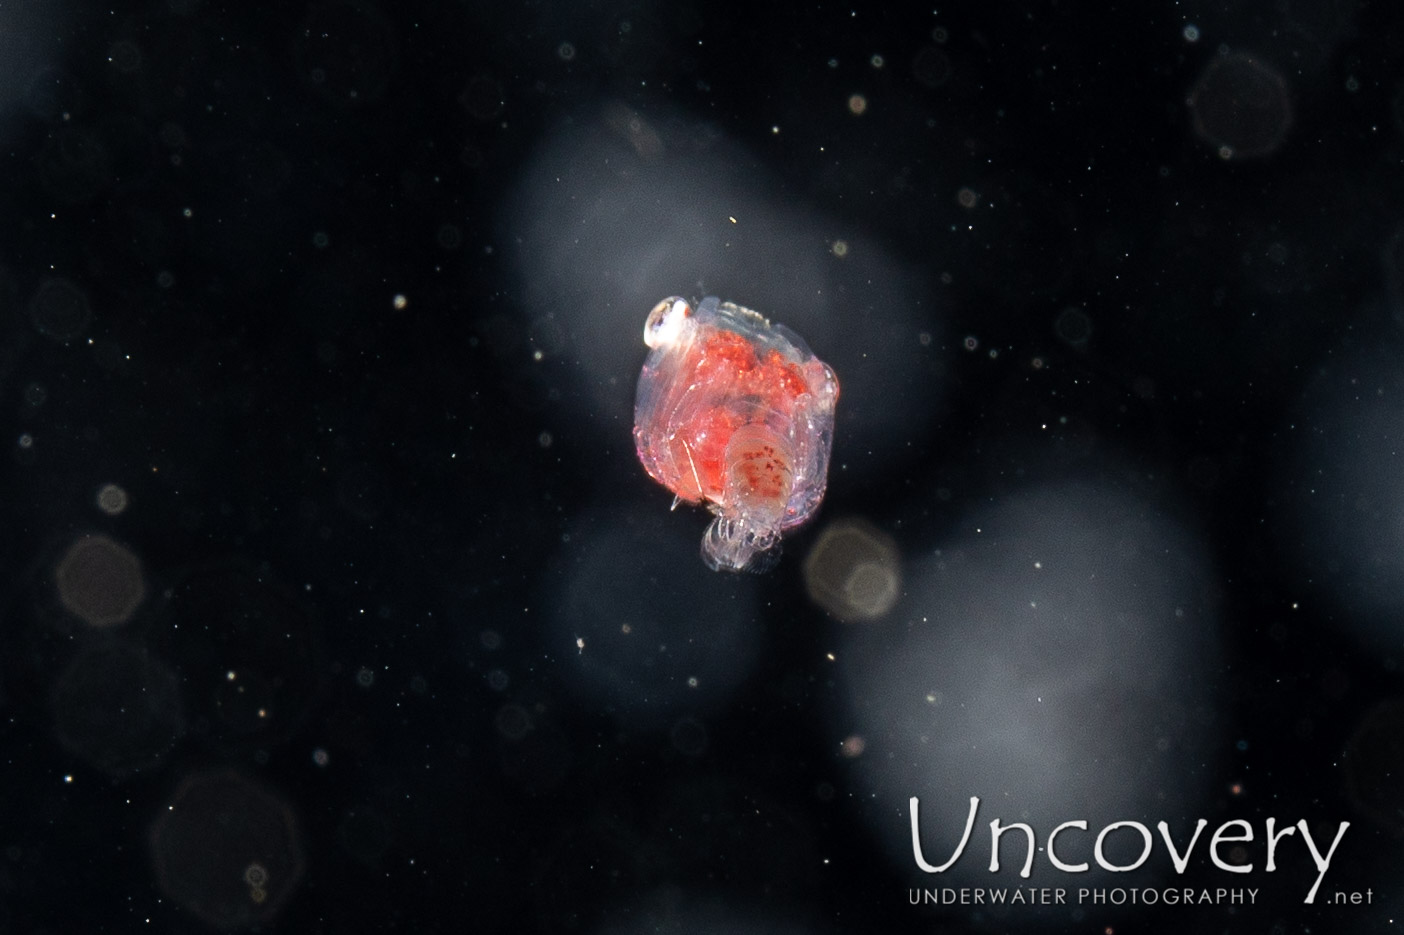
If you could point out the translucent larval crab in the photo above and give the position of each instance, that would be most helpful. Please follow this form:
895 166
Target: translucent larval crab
737 413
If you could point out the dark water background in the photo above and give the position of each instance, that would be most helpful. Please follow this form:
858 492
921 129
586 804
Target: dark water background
334 598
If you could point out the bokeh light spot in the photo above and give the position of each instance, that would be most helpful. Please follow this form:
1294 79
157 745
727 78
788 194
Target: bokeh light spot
931 67
1073 326
853 571
227 850
1242 106
689 737
100 581
118 708
60 310
111 499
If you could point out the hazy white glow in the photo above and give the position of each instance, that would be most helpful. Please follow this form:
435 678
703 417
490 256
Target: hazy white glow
621 208
30 37
1055 658
641 628
1341 500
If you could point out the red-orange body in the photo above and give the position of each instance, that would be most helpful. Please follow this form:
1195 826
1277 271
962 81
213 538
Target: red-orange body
737 413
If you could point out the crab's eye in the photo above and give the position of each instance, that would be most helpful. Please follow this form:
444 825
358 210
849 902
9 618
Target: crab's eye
666 321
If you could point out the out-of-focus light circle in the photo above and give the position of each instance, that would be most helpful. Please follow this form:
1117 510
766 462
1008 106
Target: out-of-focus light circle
119 708
1057 659
100 581
60 310
1074 326
689 737
513 721
219 830
622 207
662 635
1242 106
853 571
111 499
931 67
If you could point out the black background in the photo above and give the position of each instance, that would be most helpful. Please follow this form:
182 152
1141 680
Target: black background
353 506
